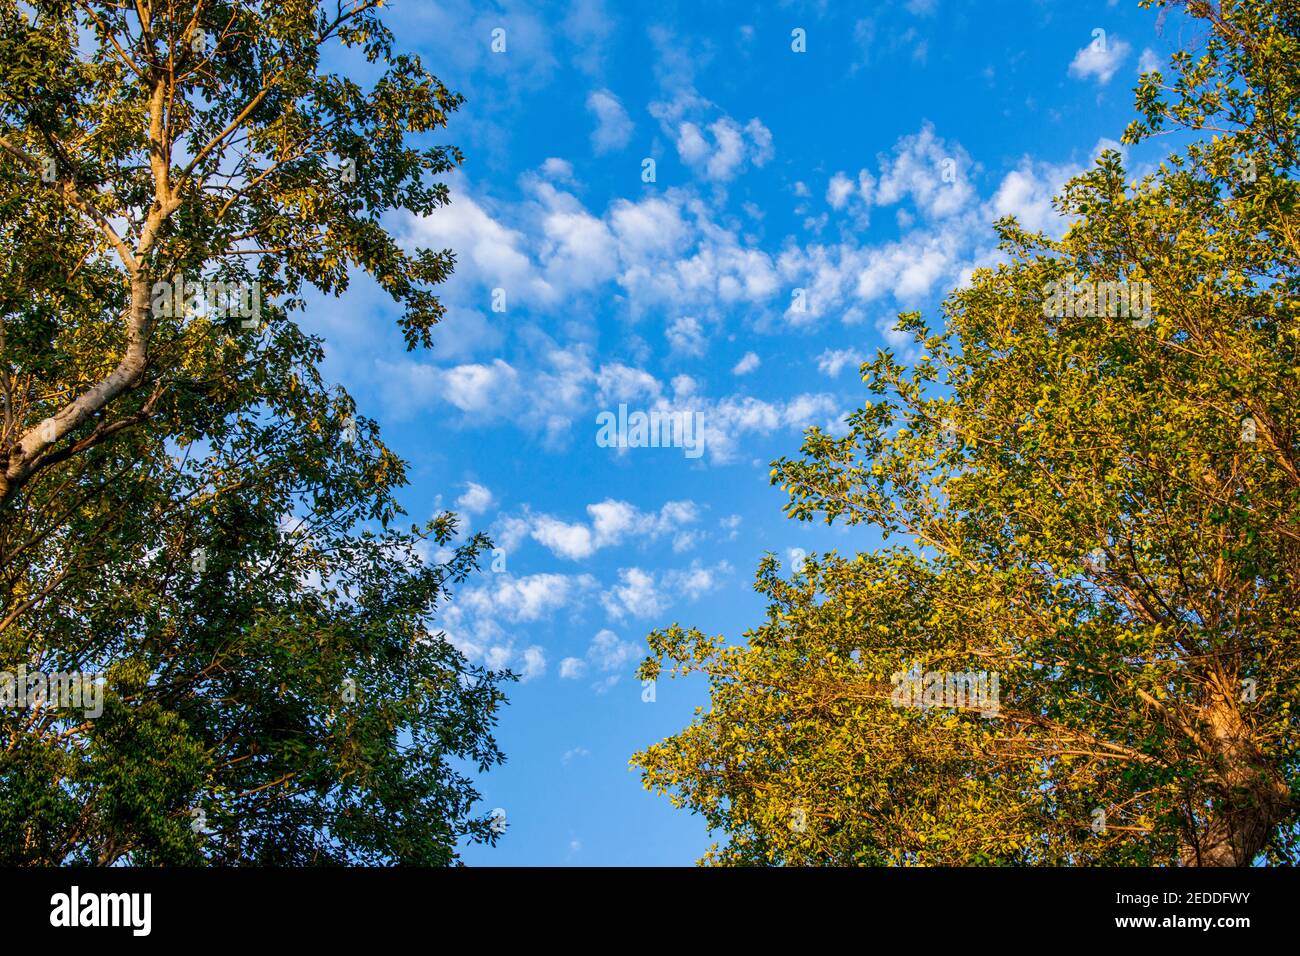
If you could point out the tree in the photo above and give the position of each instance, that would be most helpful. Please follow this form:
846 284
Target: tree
202 141
189 515
1104 510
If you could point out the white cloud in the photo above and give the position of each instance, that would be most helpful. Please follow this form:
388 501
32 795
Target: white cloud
760 138
573 668
725 420
609 653
685 541
1027 196
719 149
487 252
478 388
933 176
684 386
533 664
621 383
554 392
481 391
561 170
675 259
588 27
910 269
929 170
666 253
476 499
686 336
576 250
611 522
831 361
574 753
648 229
732 147
509 532
692 147
1099 59
635 595
564 540
696 581
613 127
476 619
748 362
728 419
522 599
841 189
641 593
1027 191
1148 62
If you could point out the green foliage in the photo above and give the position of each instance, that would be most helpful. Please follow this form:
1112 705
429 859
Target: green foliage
1101 533
186 507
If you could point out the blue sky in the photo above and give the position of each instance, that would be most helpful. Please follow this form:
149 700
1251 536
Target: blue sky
864 171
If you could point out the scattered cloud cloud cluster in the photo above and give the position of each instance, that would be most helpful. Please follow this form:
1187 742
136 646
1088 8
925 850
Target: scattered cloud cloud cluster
608 656
613 126
663 252
720 150
727 420
476 621
1100 59
641 594
611 522
483 620
831 361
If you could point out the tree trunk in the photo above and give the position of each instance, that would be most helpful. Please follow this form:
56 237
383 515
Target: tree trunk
1249 798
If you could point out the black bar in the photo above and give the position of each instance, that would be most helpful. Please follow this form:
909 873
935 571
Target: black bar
953 907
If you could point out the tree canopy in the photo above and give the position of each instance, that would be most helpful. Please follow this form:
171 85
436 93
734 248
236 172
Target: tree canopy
188 510
1101 509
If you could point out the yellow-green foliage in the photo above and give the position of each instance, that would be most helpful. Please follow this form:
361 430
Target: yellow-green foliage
1147 697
